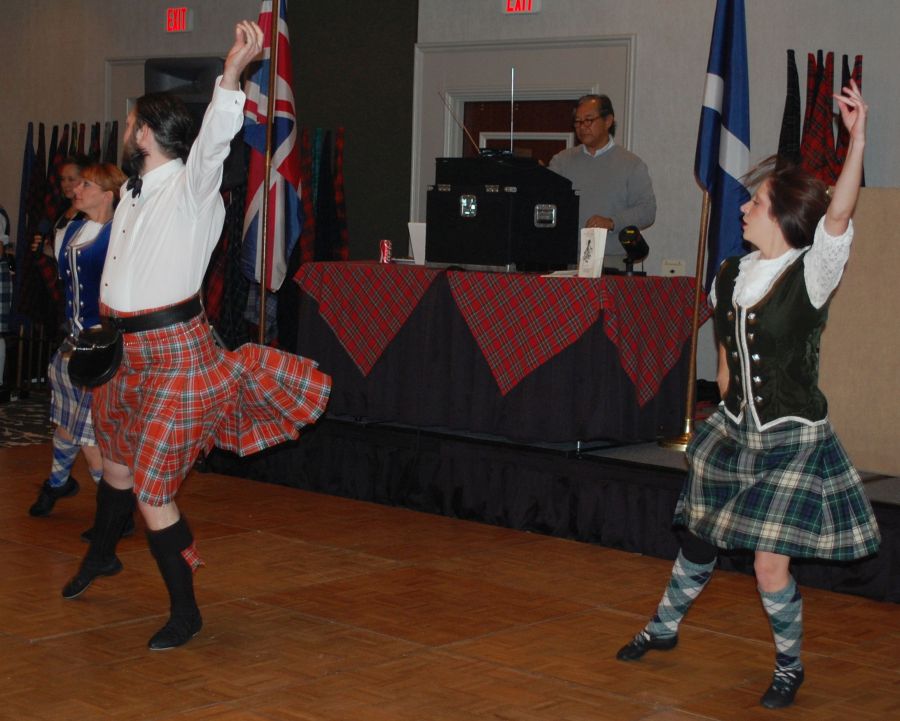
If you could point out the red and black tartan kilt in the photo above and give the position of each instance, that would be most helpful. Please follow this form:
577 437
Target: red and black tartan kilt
177 393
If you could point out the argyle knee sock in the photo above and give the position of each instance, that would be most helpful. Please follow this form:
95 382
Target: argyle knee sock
785 611
687 581
64 454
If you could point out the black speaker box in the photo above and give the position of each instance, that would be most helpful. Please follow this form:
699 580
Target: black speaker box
479 225
500 211
469 226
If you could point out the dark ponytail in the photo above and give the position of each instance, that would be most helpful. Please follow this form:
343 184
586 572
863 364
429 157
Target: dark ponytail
169 119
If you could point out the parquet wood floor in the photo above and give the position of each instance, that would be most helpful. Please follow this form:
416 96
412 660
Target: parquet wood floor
327 609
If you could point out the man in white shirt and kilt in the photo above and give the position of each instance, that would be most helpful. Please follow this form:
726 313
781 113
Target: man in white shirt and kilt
177 393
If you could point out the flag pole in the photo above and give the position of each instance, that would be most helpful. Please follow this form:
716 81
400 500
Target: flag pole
679 443
270 112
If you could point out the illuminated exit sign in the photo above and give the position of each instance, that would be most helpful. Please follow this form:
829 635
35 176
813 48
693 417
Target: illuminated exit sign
521 7
179 20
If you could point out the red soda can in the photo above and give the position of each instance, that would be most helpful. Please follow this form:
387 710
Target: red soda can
384 247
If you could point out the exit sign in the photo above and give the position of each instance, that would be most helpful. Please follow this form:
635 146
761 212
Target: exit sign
521 7
179 20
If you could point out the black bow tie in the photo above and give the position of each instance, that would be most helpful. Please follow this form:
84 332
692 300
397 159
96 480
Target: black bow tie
134 185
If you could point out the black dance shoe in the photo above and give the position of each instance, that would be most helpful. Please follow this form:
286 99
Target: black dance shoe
49 495
79 583
177 632
644 642
783 688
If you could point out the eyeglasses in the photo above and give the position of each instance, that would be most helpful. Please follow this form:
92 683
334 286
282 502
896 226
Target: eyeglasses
585 121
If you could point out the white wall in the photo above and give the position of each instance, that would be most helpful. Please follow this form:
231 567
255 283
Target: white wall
672 50
57 51
449 75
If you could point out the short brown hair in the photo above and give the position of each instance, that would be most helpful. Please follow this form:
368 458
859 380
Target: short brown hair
798 200
105 175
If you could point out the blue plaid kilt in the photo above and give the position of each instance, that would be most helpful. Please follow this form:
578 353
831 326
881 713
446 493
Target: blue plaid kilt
6 293
790 490
70 405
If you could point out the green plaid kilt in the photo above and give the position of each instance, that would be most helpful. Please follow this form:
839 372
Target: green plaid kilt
790 490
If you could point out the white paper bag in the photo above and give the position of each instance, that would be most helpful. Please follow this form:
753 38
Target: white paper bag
590 252
417 242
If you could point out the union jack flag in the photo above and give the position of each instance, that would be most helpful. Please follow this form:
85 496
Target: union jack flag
285 215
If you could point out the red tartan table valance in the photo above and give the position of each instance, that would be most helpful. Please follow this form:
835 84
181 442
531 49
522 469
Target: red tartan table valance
365 304
649 320
518 321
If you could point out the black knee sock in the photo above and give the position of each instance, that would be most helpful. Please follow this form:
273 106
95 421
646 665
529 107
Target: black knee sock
114 507
166 546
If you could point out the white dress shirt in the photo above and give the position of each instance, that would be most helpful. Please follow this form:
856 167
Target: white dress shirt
162 240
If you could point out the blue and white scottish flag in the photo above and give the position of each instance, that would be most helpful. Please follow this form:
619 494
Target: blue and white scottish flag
723 142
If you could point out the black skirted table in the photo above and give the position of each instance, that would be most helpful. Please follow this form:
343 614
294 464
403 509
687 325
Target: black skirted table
523 357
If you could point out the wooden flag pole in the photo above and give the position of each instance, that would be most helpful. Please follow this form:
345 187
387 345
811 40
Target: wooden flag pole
679 443
270 121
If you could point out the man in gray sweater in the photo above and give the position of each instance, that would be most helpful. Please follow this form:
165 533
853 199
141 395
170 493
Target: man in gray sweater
613 184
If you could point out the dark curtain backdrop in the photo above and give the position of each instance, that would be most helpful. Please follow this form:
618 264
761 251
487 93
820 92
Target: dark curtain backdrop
353 67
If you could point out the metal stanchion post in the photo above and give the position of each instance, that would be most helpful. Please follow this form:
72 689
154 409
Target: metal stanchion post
680 443
20 353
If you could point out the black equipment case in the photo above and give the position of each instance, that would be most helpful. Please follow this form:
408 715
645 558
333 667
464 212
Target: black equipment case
500 212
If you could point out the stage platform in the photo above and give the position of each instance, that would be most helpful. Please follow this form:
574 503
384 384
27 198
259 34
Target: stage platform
618 496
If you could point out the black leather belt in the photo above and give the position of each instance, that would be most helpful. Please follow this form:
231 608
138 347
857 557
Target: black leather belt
157 319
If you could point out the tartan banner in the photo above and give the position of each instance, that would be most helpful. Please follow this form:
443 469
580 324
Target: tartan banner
111 147
342 252
308 234
22 227
817 148
55 204
789 139
842 141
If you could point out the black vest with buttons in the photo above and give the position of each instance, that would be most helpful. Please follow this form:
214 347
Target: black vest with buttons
772 347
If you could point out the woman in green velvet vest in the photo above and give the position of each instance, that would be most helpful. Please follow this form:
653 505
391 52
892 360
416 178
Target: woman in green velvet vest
766 472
